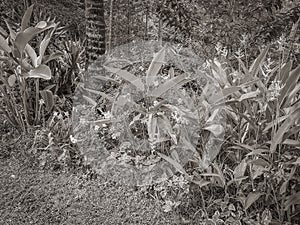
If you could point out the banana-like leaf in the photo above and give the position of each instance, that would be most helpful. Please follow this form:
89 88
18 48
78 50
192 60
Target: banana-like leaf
32 54
251 198
169 84
155 66
174 163
48 98
258 62
134 80
284 127
26 18
4 45
44 44
53 56
289 85
42 71
23 37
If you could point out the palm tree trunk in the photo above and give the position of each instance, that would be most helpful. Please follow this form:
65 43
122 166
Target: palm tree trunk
95 30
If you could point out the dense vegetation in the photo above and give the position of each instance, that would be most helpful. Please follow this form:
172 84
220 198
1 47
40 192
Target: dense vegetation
236 82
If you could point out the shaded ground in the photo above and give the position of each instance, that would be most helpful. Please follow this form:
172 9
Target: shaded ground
31 195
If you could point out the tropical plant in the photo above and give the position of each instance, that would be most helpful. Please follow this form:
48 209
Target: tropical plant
21 64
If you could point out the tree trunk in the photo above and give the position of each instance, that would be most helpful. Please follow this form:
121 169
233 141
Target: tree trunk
95 30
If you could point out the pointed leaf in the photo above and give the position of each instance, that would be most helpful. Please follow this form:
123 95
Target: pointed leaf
48 98
30 51
12 80
4 45
289 85
41 71
23 37
258 62
90 100
134 80
278 137
155 66
169 84
44 44
26 18
251 198
174 163
51 57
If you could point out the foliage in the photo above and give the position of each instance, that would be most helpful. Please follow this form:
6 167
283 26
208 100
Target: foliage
20 64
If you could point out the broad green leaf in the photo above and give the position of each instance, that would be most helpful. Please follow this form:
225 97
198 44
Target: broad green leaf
216 129
292 95
12 33
23 37
53 56
239 171
90 100
174 163
285 71
249 95
11 80
26 18
100 77
258 62
169 84
251 198
155 66
219 74
48 98
134 80
3 32
164 124
293 199
4 45
289 85
31 53
278 137
44 44
42 71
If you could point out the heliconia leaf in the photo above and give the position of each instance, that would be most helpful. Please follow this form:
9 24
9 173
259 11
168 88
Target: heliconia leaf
48 98
12 33
292 95
164 124
157 62
3 32
284 127
23 37
4 45
90 100
26 18
285 71
53 56
169 84
293 199
219 73
30 51
171 72
44 44
174 163
258 62
289 85
134 80
41 25
239 171
249 95
251 198
42 71
12 80
216 129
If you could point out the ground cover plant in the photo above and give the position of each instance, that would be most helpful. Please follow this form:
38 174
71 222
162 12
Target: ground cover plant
69 159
